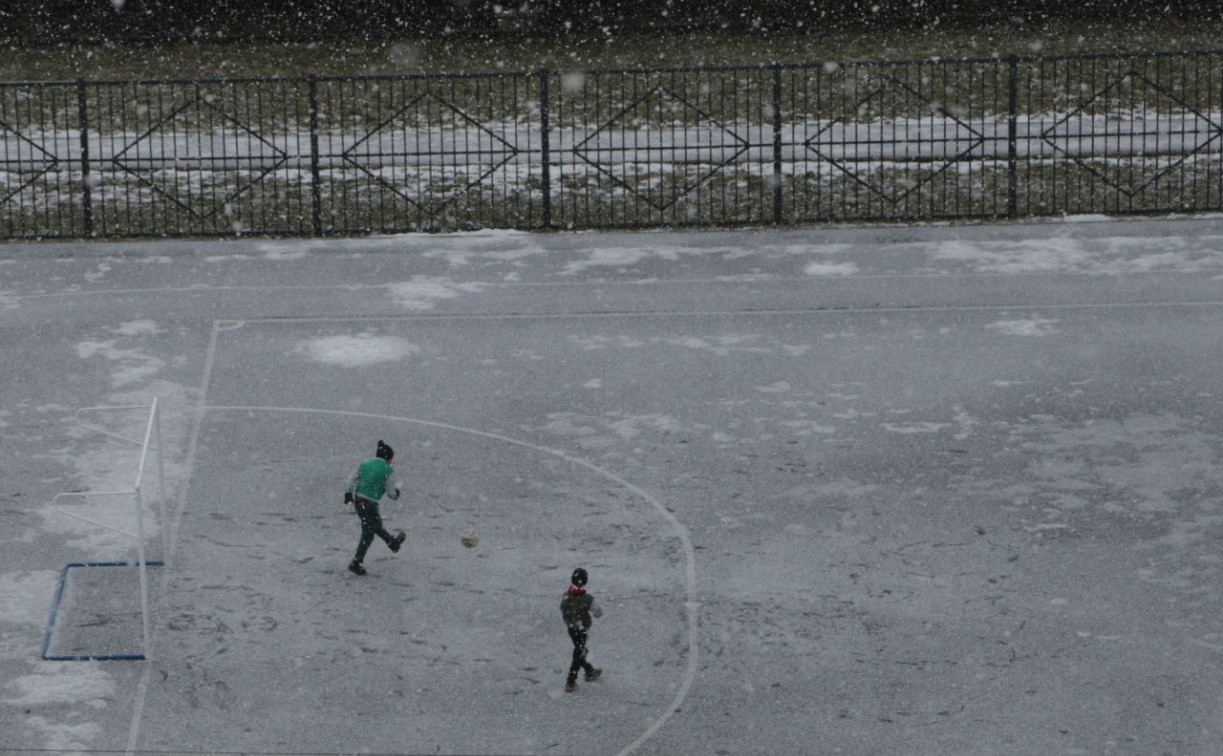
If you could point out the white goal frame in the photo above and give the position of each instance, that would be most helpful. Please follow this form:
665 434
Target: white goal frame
151 442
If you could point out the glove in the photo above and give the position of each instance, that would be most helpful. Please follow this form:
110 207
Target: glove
348 497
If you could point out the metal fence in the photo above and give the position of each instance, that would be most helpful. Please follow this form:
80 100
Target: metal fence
779 144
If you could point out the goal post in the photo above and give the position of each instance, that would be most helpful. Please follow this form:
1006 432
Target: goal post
151 442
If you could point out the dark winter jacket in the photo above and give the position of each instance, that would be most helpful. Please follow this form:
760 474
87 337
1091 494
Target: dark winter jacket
577 607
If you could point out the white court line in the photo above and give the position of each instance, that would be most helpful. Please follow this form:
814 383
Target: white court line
827 310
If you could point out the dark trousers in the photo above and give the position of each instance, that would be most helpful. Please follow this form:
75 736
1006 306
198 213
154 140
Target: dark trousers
371 525
577 634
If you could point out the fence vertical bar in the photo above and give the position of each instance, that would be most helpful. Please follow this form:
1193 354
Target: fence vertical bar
82 106
777 143
316 201
1012 138
545 148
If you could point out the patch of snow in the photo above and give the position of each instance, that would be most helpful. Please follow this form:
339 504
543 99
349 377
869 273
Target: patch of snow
103 269
616 257
632 426
61 683
562 424
1086 218
26 596
723 345
1028 327
360 350
830 269
498 251
134 366
909 428
807 427
134 328
60 736
423 292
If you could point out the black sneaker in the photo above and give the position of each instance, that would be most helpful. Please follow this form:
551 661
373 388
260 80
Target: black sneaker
593 674
397 541
356 568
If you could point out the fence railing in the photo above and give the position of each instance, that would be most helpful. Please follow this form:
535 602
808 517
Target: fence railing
777 144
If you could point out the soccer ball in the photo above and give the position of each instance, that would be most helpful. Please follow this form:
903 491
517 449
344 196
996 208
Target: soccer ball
469 538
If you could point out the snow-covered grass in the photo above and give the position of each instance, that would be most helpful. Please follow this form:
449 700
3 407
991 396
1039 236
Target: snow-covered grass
626 194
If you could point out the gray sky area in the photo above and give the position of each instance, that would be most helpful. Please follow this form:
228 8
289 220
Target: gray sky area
923 491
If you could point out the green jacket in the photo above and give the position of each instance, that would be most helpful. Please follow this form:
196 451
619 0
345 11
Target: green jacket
369 482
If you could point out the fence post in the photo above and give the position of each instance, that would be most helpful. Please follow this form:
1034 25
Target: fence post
1012 139
316 202
777 143
545 147
82 106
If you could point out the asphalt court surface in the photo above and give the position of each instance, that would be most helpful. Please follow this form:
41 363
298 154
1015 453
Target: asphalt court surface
939 490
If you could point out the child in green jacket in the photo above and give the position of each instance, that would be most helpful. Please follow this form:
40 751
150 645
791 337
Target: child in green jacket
365 489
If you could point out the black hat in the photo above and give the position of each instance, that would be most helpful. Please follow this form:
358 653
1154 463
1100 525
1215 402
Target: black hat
578 577
385 452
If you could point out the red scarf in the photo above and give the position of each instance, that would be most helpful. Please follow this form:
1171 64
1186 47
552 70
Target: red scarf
576 591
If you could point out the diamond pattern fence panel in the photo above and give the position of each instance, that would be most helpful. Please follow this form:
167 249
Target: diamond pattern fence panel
662 148
41 177
918 140
430 153
1121 135
199 157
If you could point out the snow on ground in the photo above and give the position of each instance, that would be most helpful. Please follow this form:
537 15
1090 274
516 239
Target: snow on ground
356 351
889 490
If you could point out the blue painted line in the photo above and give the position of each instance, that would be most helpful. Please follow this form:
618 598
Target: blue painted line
59 595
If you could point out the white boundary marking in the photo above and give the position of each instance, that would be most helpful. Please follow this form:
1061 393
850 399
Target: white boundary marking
826 310
691 604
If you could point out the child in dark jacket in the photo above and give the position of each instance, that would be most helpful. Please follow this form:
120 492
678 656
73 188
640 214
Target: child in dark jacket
577 608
